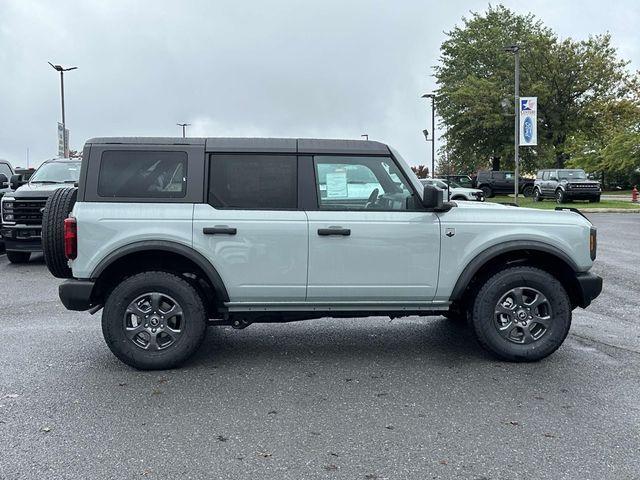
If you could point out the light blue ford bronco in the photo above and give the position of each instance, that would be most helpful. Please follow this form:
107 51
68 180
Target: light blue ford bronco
169 235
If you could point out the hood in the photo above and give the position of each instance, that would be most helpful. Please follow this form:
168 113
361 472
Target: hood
38 189
489 212
590 182
465 190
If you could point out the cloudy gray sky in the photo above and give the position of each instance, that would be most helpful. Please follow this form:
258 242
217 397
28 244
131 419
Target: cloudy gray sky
239 68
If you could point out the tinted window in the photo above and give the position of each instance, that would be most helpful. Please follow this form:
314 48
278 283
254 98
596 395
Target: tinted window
143 174
253 181
545 175
358 183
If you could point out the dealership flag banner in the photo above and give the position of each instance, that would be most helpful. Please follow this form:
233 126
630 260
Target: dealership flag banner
528 121
60 140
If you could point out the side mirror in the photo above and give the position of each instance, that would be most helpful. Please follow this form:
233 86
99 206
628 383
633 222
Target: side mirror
4 181
16 182
432 197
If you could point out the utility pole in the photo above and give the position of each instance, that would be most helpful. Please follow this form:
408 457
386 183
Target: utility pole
515 49
184 128
61 69
432 96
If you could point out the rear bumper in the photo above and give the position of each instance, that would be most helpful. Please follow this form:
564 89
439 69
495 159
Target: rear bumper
76 294
590 286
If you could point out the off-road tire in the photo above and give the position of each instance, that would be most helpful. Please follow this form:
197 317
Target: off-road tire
537 195
113 327
487 191
483 316
18 257
527 191
560 196
57 208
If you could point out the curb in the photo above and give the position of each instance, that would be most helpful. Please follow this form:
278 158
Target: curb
610 210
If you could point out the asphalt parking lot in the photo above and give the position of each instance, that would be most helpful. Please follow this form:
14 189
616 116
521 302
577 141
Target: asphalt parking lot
360 399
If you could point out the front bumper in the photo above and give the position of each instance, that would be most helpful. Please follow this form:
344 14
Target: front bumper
22 238
577 194
590 286
76 294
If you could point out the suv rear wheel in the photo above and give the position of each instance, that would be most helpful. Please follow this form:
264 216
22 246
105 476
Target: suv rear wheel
18 257
527 191
153 321
521 314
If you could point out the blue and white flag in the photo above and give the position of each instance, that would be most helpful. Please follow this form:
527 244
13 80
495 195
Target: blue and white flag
528 121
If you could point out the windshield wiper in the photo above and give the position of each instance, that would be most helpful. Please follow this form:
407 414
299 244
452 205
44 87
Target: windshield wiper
43 181
70 181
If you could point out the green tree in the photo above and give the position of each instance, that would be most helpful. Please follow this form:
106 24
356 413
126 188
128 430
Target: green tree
475 88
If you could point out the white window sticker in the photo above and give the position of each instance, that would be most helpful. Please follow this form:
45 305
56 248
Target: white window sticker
337 184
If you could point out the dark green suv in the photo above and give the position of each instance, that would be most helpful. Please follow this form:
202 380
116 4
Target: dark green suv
565 185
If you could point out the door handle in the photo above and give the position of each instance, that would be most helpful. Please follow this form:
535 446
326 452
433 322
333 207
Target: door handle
219 230
344 232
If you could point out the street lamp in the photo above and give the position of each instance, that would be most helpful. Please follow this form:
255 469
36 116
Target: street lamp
515 49
432 96
184 127
61 69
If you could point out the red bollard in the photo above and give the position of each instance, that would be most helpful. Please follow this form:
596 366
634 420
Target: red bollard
634 194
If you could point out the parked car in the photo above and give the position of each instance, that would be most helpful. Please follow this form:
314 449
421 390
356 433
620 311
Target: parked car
456 192
493 183
464 181
25 173
565 185
6 172
22 209
166 250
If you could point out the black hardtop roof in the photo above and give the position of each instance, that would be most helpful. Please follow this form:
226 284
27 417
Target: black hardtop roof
273 145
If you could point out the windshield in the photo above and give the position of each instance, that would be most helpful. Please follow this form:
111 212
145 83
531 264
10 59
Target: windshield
57 172
572 175
452 184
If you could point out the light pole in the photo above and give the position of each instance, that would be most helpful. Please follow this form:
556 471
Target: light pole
365 136
61 69
515 49
432 96
184 128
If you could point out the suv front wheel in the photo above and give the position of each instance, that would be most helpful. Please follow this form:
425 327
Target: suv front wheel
153 321
537 196
522 314
560 196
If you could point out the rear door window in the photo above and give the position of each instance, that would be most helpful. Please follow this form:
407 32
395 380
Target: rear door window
253 182
142 174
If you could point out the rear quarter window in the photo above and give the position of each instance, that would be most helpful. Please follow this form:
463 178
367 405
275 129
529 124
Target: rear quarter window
142 174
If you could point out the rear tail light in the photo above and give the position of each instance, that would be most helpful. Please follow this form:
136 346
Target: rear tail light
70 238
593 243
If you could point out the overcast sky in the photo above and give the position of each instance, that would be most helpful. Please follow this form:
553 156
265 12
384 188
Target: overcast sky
239 68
